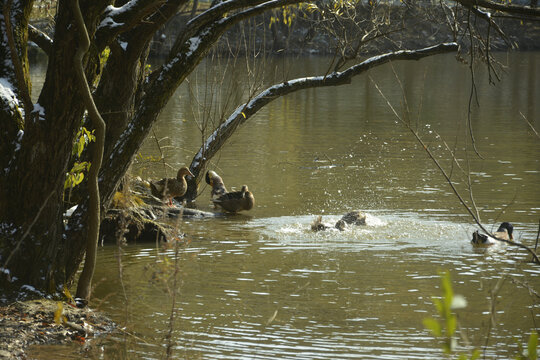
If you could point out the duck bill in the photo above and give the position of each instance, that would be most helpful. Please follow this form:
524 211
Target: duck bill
190 173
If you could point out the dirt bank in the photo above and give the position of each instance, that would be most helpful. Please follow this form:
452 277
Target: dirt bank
33 322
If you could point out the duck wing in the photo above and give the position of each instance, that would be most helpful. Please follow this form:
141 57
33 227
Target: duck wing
158 188
480 239
483 239
354 217
317 224
235 201
218 186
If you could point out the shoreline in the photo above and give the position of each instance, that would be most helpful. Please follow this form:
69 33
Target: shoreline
26 323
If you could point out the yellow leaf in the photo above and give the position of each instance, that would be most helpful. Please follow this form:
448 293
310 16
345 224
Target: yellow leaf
68 295
58 313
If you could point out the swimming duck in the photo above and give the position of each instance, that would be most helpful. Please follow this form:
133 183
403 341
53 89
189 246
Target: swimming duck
169 188
215 181
504 232
317 224
355 217
236 201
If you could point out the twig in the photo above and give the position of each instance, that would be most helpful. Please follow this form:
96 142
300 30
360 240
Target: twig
168 337
473 92
537 236
493 297
28 230
530 125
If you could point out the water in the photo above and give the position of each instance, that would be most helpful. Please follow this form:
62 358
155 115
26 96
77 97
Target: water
261 285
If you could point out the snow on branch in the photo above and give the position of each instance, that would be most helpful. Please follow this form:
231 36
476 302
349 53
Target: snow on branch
117 20
42 40
211 24
214 142
8 97
212 15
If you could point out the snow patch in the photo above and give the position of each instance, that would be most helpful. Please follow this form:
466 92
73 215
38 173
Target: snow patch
7 92
123 45
70 211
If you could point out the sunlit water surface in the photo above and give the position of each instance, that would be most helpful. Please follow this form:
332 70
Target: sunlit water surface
261 285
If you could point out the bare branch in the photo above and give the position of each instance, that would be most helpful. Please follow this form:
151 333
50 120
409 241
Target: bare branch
250 108
530 125
487 17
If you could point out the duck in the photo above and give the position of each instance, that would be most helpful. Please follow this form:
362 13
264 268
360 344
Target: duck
317 225
355 217
504 232
169 188
215 181
236 201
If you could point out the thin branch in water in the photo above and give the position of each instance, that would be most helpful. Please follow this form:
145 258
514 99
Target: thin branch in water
473 92
530 125
448 180
537 237
168 337
492 300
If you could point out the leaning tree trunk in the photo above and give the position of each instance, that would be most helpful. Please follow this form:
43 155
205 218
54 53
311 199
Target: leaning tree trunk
33 182
32 191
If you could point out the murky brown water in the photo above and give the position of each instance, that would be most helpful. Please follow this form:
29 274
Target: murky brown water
261 286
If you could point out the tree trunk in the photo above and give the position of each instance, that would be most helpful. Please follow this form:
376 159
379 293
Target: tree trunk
32 195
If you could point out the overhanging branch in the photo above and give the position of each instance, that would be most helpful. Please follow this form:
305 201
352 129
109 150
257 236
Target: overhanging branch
215 141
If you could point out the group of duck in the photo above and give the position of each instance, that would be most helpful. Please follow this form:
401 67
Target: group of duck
504 232
233 202
237 201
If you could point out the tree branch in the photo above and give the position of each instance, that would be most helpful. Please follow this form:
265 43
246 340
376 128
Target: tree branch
505 8
215 141
210 16
117 20
42 40
85 280
160 86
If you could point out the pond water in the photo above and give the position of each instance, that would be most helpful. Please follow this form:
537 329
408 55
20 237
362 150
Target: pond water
260 285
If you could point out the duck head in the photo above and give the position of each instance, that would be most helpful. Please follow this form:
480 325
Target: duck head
183 171
508 227
245 191
209 177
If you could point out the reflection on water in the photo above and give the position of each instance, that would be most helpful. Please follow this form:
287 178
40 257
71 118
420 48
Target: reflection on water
261 285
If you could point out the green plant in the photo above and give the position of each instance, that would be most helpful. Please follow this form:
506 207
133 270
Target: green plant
76 175
445 327
532 348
